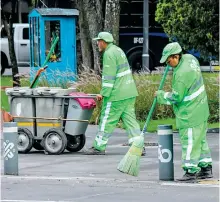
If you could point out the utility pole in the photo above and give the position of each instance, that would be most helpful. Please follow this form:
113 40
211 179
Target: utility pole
145 54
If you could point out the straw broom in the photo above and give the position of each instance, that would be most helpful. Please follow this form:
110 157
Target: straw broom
130 164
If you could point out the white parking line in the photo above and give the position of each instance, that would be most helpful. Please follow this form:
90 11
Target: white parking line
190 184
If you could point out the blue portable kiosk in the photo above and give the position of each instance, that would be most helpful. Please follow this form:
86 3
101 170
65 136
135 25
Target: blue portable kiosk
45 25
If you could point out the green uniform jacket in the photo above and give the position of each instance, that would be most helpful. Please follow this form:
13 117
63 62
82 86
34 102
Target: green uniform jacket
188 95
117 80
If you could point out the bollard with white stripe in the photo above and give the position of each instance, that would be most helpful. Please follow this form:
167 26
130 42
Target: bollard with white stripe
165 152
10 133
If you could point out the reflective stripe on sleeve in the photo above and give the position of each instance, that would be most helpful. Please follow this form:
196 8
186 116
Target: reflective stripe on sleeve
123 65
124 73
195 94
107 85
196 84
108 77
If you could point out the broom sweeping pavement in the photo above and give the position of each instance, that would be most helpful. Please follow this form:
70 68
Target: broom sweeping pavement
74 177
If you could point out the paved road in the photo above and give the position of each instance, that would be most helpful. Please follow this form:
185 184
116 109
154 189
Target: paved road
74 177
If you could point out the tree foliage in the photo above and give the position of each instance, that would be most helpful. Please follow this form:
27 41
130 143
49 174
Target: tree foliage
194 24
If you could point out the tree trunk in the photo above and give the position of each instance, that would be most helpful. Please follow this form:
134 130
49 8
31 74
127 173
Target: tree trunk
93 10
91 22
8 25
112 14
86 46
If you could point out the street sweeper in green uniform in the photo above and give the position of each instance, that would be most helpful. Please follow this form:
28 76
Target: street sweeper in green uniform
190 105
118 95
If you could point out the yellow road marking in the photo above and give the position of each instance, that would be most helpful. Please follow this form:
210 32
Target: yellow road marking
208 182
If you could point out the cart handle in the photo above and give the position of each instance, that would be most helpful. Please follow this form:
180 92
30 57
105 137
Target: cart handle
11 117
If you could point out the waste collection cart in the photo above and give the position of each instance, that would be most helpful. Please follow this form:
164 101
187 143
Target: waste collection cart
51 119
22 105
81 109
50 104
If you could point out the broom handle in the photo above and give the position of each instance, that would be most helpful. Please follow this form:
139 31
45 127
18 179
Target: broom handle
37 76
155 100
34 83
51 50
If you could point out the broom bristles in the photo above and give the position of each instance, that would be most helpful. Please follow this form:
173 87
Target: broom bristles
130 164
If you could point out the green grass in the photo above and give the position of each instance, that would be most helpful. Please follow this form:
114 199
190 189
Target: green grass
4 101
154 124
214 125
152 127
6 81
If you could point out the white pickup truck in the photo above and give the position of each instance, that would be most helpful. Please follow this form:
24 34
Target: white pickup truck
21 45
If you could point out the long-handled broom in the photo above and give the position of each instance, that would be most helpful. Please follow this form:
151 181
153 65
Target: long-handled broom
130 164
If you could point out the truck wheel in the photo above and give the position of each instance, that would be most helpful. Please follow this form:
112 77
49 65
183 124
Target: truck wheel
54 141
75 143
135 61
25 140
4 63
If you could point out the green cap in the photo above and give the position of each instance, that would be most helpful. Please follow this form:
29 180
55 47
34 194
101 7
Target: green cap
105 36
170 49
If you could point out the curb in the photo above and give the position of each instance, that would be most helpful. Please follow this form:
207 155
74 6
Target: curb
213 130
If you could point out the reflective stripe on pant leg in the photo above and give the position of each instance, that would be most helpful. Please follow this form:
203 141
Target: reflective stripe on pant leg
109 118
205 157
101 141
101 138
107 110
190 144
129 119
188 163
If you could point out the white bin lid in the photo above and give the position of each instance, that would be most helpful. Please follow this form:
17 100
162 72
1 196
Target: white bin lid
19 91
53 91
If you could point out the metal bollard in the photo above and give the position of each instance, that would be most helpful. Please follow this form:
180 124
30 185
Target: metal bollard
10 132
165 152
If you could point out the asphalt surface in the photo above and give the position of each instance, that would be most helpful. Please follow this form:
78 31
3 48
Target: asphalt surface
74 177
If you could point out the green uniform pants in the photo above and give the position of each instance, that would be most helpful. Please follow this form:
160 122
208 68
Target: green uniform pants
110 114
195 149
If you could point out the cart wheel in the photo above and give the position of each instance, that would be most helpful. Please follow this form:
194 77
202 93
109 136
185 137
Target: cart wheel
54 141
37 145
25 140
75 143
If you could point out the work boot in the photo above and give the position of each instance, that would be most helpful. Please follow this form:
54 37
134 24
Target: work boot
143 152
205 173
188 177
94 151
